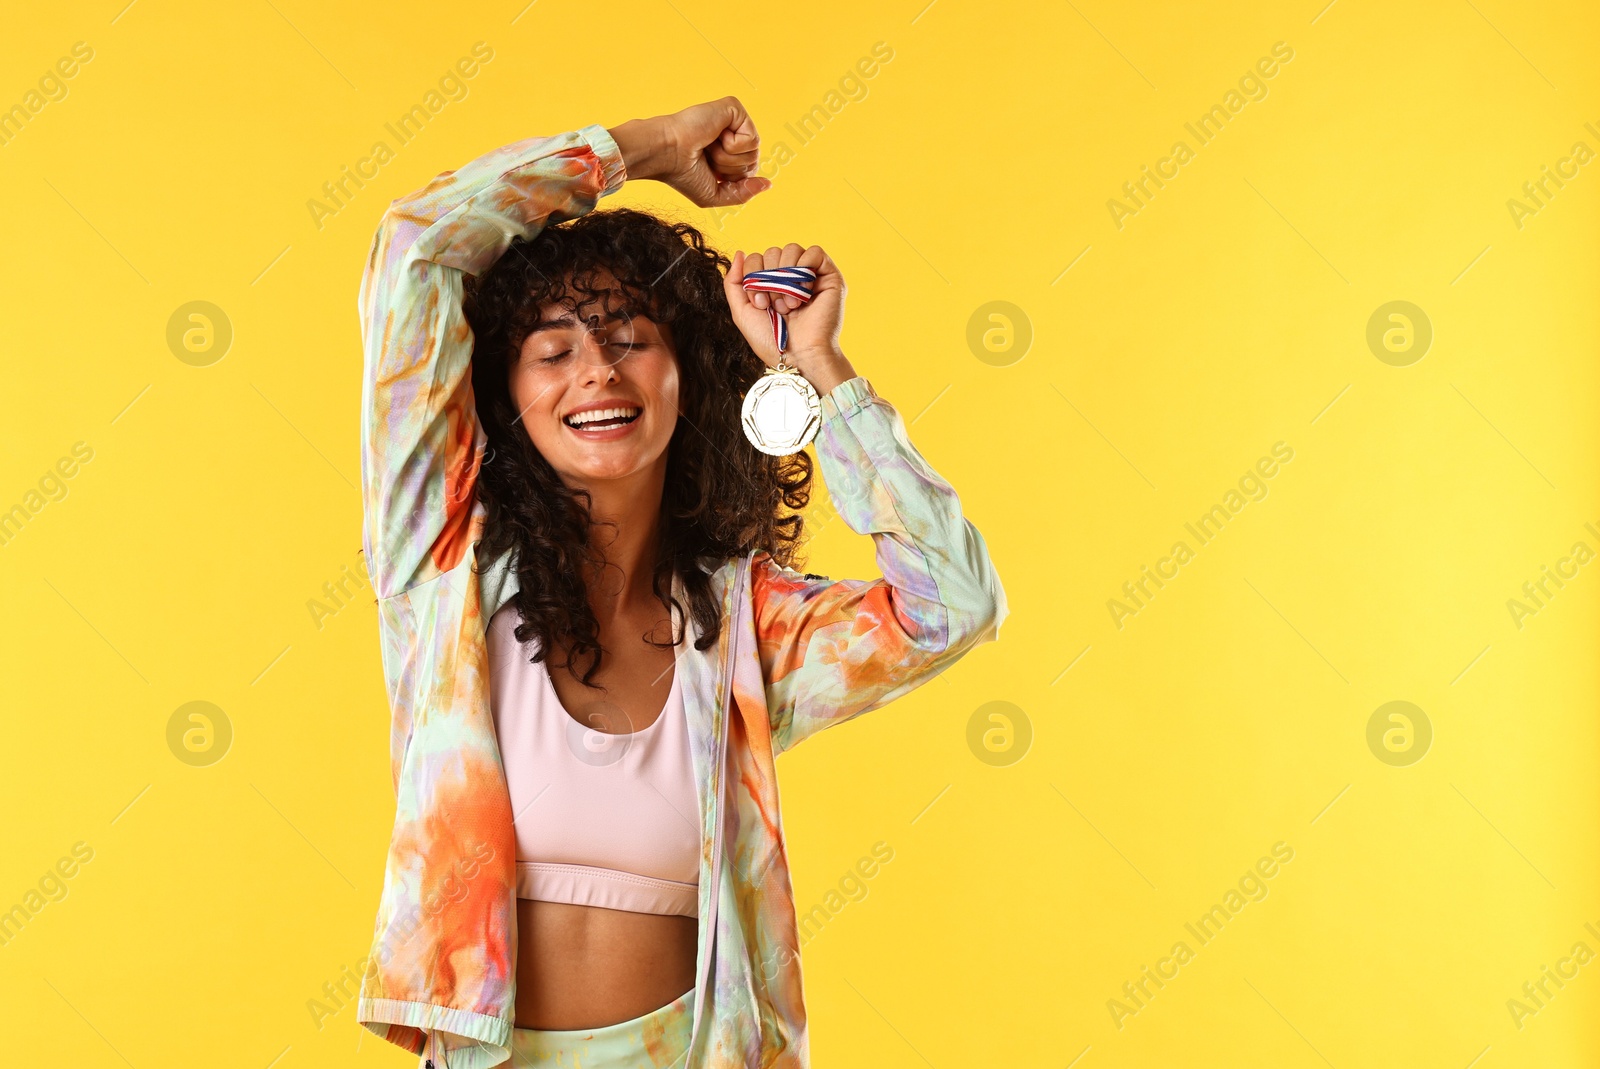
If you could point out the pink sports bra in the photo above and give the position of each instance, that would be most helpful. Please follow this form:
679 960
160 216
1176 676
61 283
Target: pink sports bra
601 819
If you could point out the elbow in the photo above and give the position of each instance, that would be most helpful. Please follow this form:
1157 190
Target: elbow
988 612
997 608
992 607
965 607
975 617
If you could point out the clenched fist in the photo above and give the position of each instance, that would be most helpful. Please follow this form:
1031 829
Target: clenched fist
707 152
813 326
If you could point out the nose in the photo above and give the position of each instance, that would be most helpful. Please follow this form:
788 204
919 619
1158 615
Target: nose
595 362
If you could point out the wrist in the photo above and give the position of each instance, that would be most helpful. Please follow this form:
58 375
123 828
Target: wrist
644 147
823 368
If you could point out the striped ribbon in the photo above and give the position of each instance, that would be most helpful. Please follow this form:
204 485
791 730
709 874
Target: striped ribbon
788 281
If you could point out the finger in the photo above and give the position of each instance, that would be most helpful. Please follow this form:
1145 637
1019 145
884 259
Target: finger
774 258
818 260
737 136
739 130
789 257
732 162
732 282
738 163
737 191
829 276
730 165
737 139
795 256
752 264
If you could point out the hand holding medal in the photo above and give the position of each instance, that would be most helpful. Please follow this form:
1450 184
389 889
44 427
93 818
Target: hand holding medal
789 304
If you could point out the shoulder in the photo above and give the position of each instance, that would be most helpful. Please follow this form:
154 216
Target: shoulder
768 578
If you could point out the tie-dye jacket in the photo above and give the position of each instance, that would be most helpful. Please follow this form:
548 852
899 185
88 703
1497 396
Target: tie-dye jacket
797 653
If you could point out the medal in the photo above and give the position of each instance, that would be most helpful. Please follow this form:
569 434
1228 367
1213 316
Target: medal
782 411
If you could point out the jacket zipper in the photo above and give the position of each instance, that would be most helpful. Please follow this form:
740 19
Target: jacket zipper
719 770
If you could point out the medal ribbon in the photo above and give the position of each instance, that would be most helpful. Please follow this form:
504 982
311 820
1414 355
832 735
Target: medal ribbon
790 282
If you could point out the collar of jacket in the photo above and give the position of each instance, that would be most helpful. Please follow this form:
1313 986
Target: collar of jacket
748 1006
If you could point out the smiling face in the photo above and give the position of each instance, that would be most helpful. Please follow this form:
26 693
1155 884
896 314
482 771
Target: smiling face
598 395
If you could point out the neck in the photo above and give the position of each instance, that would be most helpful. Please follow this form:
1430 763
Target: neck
625 517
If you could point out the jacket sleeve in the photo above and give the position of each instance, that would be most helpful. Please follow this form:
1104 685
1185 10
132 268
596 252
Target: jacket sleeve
831 651
420 438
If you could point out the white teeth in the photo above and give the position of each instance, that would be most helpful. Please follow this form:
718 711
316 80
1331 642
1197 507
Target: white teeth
595 414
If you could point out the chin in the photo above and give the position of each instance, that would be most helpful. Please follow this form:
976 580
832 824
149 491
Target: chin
598 466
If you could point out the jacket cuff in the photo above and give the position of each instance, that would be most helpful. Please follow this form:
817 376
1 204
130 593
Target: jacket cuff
845 398
471 1040
605 146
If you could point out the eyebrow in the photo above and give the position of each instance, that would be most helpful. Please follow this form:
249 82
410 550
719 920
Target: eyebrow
567 319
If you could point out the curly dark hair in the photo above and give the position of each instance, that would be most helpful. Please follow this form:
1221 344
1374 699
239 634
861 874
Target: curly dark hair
722 497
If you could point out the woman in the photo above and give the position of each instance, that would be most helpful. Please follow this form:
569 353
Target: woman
593 640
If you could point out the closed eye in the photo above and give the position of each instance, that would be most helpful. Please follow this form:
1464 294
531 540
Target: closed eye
625 346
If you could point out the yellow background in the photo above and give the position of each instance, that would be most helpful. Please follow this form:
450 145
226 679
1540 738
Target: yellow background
1227 315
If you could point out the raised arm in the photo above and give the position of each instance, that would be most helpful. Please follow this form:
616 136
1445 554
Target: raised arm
420 439
832 650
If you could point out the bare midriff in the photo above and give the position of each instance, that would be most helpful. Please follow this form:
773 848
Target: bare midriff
588 967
